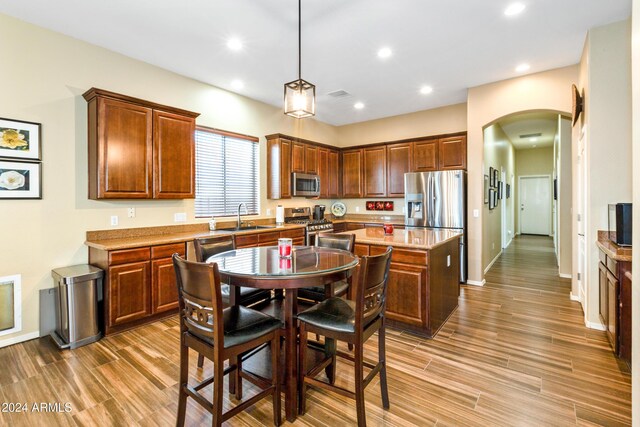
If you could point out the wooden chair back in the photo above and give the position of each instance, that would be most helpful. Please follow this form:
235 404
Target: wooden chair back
371 287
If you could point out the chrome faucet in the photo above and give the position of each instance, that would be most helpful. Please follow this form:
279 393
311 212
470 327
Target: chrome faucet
246 211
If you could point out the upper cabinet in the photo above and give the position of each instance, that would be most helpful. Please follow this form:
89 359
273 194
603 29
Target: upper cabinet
425 153
375 171
452 153
139 149
279 168
352 173
311 159
297 157
398 163
328 172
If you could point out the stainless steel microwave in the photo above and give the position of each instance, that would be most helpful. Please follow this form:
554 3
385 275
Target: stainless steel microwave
307 185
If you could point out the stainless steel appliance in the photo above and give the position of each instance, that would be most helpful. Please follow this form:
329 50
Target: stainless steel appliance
305 184
318 211
620 223
438 200
314 226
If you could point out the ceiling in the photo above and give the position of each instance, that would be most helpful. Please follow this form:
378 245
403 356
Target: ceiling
449 45
522 129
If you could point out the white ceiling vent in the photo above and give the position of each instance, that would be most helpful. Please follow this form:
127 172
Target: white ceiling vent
531 135
339 94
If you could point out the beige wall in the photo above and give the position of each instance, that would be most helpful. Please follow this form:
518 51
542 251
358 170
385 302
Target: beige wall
437 121
44 83
635 84
563 206
498 154
606 79
548 90
535 161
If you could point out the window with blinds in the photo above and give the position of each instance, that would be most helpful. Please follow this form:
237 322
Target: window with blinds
226 173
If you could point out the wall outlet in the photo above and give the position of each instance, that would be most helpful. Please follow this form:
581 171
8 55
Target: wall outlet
114 219
448 260
268 212
131 212
357 208
180 217
476 213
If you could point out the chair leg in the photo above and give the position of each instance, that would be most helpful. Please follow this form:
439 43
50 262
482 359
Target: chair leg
382 359
184 379
275 379
330 345
236 374
218 387
359 380
302 353
200 360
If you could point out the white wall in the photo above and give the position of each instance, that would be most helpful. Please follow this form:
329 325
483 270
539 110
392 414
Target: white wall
565 183
533 161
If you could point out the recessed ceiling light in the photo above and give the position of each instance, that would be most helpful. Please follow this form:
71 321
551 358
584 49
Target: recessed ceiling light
514 9
237 84
522 68
426 90
234 44
533 139
384 53
358 105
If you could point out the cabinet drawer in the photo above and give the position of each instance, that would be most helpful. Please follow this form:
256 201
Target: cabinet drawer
298 232
246 240
403 255
129 255
354 225
268 237
166 251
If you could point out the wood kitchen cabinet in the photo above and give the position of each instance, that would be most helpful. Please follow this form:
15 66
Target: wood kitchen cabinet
298 157
139 149
334 174
375 171
352 173
279 168
328 172
311 159
425 155
452 153
398 163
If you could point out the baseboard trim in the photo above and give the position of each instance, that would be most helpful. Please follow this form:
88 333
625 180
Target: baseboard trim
493 261
572 297
19 339
565 275
595 325
476 283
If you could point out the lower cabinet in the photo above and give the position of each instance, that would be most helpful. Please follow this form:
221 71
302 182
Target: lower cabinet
164 292
129 290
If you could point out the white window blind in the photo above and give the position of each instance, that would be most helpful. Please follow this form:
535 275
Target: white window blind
226 173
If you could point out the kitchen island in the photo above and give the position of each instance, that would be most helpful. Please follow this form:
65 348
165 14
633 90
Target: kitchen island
423 286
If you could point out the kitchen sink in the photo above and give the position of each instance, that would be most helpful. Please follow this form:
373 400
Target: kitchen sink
249 227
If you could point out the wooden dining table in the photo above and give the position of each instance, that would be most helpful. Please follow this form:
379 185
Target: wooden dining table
264 268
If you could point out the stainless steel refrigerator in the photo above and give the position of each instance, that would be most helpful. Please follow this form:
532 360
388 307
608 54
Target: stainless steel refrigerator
438 200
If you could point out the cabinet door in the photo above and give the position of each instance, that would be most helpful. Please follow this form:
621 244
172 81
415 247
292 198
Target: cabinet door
164 290
278 168
323 171
425 155
355 226
128 294
406 294
311 158
375 172
334 172
612 312
452 153
398 163
603 291
297 157
624 328
120 152
173 156
352 173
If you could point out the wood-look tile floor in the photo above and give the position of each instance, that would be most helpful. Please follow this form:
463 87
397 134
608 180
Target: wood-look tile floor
516 352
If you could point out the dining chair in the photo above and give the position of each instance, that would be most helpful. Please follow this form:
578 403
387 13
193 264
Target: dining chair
221 334
206 247
329 240
353 321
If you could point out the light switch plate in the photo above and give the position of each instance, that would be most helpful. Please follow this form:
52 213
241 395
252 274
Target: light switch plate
114 220
268 212
180 217
476 213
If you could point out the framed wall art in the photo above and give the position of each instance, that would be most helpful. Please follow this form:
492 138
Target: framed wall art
486 189
19 140
495 199
500 190
492 201
10 304
508 191
491 182
20 180
496 178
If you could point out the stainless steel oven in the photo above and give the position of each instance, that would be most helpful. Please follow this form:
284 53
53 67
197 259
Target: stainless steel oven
307 185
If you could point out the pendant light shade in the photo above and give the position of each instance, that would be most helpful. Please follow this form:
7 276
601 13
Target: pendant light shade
299 95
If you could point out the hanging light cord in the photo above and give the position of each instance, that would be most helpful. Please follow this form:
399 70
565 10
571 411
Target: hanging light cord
299 41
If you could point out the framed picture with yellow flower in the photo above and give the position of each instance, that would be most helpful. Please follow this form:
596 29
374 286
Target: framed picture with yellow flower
20 180
19 140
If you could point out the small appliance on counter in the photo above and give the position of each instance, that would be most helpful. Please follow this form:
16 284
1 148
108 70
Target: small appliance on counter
620 221
318 212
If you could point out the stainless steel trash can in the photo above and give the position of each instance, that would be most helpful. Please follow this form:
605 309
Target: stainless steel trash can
78 289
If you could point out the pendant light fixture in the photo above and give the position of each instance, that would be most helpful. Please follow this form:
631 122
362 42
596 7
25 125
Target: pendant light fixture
299 95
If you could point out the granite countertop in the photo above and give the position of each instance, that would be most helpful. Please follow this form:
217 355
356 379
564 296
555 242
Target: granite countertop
369 218
413 238
110 240
612 250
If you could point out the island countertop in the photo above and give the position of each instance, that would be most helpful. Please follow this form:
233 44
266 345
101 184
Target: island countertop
412 238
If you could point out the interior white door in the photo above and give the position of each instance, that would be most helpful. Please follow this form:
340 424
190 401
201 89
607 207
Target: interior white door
581 219
535 205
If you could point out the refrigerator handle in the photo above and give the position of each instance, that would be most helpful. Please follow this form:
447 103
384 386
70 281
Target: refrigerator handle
432 202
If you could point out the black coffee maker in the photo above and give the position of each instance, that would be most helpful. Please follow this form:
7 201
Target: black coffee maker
318 212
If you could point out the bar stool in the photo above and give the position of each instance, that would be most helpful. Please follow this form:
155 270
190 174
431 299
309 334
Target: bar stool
221 334
354 322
